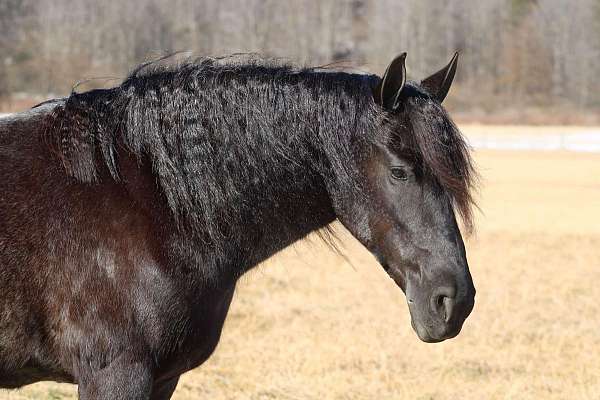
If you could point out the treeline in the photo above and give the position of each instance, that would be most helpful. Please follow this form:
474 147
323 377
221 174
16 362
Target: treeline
515 53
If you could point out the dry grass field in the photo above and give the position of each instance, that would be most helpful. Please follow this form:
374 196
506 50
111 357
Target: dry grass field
311 325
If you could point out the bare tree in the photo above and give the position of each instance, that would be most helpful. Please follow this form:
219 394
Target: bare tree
514 52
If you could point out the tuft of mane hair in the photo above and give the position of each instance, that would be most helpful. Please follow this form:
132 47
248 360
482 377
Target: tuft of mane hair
443 153
214 129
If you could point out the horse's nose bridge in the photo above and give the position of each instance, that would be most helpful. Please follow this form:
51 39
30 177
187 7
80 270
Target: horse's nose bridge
444 262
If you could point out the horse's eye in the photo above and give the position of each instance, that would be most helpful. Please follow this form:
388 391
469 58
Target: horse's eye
399 173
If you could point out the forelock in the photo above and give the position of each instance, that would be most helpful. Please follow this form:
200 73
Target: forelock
442 151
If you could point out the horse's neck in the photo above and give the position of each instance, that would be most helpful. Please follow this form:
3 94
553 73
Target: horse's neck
276 219
287 218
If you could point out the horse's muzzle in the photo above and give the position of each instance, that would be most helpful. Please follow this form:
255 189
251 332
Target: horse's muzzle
439 314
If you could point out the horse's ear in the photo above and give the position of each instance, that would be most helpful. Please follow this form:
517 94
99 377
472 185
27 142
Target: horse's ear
387 92
439 83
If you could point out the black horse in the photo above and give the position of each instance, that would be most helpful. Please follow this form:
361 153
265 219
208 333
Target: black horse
128 214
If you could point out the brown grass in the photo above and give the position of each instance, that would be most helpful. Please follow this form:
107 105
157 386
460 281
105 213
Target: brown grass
307 325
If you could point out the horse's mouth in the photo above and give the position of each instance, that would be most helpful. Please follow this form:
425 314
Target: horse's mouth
431 334
423 333
425 336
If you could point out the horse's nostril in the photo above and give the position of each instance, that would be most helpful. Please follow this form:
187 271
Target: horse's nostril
442 302
448 308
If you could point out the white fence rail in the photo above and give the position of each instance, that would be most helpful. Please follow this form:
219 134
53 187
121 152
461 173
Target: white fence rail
585 141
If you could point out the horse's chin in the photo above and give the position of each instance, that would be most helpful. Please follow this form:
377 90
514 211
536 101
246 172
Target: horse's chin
423 333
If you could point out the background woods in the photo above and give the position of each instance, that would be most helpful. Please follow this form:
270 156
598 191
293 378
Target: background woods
516 53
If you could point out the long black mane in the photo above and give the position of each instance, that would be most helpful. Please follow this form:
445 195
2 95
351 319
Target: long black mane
214 130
